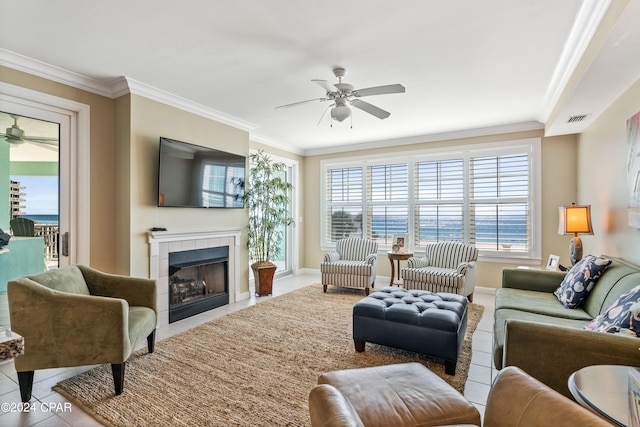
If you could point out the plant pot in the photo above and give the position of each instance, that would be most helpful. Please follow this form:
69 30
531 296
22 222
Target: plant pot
263 273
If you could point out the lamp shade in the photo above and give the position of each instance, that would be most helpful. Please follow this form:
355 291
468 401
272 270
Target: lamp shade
574 219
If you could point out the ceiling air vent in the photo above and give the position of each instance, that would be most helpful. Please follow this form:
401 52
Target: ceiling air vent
577 118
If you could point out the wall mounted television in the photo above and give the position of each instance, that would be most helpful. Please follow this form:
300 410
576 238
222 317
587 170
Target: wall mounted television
199 177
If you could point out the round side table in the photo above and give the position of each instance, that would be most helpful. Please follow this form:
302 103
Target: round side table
603 389
397 256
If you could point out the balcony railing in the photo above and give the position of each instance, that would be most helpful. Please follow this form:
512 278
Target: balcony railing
50 234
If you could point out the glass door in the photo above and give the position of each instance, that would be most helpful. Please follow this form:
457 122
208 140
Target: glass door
34 181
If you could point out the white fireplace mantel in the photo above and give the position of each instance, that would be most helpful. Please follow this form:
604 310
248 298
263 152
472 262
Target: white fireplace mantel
161 243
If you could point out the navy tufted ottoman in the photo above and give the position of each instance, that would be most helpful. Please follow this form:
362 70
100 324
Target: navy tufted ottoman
429 323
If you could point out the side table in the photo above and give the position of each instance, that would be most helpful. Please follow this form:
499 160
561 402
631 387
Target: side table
11 344
604 390
397 256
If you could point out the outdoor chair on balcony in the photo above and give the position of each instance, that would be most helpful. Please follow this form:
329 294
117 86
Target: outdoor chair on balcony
446 267
351 265
22 227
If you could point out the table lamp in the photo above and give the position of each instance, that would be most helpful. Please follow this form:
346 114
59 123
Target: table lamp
575 220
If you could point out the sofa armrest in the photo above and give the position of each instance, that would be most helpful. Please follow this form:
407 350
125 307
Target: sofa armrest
329 408
62 329
464 266
136 291
552 353
331 257
372 258
532 280
418 262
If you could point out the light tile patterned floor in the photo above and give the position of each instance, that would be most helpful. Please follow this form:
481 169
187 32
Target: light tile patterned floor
477 387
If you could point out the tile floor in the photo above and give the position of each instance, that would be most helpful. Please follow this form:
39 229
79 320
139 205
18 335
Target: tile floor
53 410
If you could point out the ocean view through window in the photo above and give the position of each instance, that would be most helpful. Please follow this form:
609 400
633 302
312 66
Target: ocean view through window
486 195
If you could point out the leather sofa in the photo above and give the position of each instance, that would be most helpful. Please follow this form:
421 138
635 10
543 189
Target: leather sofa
515 400
534 331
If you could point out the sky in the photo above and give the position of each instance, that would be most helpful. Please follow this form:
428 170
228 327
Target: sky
41 194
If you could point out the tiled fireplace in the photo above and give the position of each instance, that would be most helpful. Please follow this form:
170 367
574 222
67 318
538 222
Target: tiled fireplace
195 271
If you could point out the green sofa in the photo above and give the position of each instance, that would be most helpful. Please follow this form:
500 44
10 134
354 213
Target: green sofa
536 333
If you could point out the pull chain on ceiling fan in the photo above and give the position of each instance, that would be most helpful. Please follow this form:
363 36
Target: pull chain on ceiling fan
344 94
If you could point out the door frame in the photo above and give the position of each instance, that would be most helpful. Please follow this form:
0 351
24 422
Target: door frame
76 117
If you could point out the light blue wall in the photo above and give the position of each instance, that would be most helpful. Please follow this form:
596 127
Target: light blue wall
25 257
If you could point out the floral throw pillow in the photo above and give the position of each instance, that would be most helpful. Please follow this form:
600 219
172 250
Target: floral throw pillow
635 318
624 313
580 280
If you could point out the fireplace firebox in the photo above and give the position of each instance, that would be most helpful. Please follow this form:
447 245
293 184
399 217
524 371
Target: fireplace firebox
198 281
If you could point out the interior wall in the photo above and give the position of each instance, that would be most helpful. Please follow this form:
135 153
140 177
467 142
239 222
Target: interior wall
558 188
602 179
101 134
149 120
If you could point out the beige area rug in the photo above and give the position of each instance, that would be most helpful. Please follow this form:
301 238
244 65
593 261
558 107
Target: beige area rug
254 367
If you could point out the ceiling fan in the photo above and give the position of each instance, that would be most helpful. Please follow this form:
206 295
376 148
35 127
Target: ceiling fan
343 95
14 135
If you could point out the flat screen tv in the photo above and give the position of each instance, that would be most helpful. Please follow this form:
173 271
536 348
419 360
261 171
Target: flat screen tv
199 177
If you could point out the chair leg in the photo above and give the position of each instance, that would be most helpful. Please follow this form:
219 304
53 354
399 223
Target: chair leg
366 292
449 367
118 376
25 379
151 341
324 288
470 297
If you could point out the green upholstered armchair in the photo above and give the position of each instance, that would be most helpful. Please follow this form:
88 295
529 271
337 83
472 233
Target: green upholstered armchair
77 316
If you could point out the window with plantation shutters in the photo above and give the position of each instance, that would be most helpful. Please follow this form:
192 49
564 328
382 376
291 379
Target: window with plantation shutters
499 202
439 201
387 201
344 196
485 195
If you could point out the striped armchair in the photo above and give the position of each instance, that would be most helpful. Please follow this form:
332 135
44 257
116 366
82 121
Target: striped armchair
352 265
446 267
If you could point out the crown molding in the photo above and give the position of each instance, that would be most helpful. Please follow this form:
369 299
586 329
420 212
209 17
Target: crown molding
38 68
120 86
275 144
164 97
434 137
583 30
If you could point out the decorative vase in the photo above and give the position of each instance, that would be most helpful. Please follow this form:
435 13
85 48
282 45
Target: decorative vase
263 273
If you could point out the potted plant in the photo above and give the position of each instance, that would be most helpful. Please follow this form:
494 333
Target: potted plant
267 200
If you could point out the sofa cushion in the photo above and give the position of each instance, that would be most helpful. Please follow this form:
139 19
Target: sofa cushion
544 303
501 316
67 279
619 315
580 280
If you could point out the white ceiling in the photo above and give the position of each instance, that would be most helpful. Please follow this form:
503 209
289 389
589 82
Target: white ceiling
466 64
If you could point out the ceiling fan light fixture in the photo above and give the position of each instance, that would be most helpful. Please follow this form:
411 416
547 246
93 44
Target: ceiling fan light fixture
340 113
14 132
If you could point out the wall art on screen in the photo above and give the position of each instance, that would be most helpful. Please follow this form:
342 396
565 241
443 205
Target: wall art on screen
633 137
199 177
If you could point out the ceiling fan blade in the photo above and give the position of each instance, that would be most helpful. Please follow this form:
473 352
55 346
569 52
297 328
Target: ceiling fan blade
329 87
42 140
379 90
371 109
48 146
295 104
